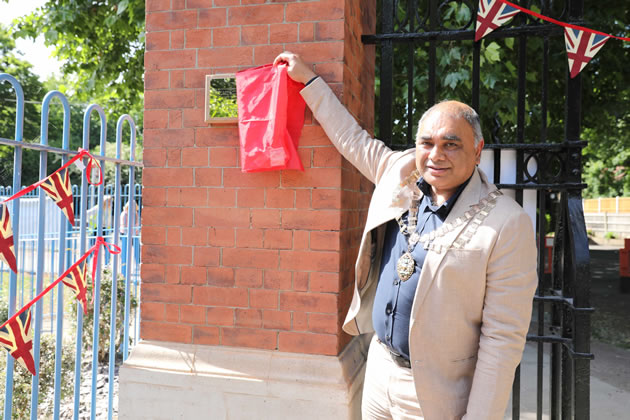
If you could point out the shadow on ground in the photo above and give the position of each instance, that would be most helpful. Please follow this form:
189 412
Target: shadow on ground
611 320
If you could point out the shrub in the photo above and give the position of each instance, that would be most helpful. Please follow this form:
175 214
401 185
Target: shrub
104 318
22 379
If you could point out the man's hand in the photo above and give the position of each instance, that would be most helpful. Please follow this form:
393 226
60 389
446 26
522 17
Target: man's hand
296 68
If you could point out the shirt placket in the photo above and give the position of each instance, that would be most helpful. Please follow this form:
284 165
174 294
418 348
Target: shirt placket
401 245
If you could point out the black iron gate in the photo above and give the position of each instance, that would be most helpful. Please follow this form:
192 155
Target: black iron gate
517 80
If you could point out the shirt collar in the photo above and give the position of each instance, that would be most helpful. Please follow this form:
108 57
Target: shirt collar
445 207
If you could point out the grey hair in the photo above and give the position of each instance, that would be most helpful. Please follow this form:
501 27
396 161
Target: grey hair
467 113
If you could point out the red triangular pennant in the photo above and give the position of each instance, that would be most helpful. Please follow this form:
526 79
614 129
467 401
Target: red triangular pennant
581 48
7 250
77 281
16 338
490 15
57 186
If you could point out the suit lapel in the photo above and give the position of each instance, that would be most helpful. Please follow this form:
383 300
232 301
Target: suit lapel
470 196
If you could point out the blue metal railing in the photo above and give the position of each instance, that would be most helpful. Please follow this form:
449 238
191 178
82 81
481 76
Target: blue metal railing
46 245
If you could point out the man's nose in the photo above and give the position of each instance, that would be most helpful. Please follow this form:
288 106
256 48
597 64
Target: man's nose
436 153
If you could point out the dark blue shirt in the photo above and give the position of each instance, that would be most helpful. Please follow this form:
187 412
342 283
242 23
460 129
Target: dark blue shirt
394 298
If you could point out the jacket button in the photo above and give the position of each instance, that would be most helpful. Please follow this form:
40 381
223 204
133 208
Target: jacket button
388 311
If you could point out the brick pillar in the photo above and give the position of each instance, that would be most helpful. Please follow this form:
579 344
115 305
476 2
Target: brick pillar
241 271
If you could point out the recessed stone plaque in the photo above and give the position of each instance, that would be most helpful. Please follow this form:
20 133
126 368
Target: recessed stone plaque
221 99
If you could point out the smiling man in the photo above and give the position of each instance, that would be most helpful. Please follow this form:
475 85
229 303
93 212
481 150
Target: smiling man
446 269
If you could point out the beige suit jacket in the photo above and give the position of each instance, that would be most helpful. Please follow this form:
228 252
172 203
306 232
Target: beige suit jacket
472 306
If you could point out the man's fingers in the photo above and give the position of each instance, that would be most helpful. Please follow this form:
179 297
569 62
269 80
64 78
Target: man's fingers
279 59
296 68
286 57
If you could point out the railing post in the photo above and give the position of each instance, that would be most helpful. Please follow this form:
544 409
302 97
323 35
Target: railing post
99 231
17 184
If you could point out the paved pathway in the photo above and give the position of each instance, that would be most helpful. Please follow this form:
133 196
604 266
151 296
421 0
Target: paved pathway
610 371
610 384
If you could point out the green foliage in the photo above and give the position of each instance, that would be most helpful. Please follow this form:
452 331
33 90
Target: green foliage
104 319
222 98
220 106
109 172
34 91
605 88
610 235
498 100
101 45
12 63
22 378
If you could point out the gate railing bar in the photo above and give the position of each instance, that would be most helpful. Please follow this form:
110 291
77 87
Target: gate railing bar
79 335
578 241
540 315
386 75
559 187
17 182
114 293
464 35
43 165
99 230
62 260
433 23
46 148
561 299
568 145
131 216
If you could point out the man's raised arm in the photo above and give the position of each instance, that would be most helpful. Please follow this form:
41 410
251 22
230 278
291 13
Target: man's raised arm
354 143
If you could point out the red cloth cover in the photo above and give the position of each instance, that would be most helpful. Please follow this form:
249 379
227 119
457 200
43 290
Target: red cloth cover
270 118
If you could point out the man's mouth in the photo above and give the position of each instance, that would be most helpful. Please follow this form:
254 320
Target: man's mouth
436 169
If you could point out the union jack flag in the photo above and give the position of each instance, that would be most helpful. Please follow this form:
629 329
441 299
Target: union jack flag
77 281
581 48
16 338
57 186
490 15
7 250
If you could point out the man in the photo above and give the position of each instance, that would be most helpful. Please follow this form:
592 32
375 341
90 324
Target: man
446 269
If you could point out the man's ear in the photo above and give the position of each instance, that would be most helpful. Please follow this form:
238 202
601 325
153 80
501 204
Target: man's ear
478 151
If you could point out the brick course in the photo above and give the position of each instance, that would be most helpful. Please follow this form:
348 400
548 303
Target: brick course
262 260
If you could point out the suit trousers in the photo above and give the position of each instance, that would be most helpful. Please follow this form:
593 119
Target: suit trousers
388 389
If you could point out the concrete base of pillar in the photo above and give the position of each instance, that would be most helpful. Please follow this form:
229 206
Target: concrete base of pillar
177 381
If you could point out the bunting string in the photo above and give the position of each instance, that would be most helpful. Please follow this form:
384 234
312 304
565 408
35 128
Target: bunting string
57 187
81 153
112 248
581 43
557 22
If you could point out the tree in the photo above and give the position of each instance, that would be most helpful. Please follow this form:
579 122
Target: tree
13 64
102 46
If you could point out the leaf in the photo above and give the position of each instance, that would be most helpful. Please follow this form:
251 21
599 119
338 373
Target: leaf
451 80
122 6
492 52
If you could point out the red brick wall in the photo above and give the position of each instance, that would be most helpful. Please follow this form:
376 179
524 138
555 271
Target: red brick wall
261 260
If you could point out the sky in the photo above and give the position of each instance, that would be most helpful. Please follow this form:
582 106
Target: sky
34 52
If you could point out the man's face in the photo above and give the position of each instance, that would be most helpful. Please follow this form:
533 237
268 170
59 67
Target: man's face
445 149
